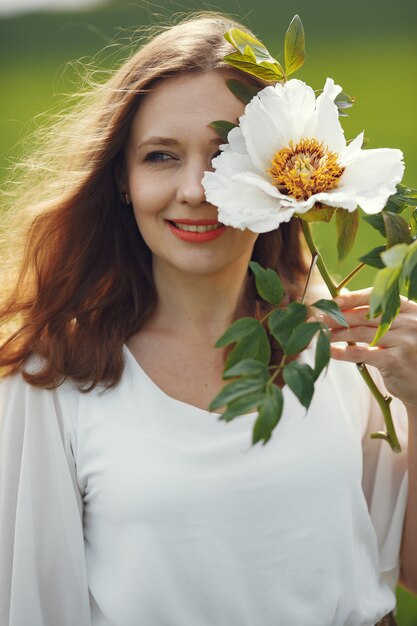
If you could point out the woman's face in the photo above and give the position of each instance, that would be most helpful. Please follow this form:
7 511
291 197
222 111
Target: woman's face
170 147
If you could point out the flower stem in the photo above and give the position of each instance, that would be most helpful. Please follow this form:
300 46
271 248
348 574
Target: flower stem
349 277
310 273
320 263
384 402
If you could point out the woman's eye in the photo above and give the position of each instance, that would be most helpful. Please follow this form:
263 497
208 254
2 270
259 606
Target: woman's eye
158 157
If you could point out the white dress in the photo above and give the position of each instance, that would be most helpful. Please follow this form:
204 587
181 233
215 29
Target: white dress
130 508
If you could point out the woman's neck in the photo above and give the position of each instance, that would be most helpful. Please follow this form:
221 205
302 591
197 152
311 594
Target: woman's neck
196 304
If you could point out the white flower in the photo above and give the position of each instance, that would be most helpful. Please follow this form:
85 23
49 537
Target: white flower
288 153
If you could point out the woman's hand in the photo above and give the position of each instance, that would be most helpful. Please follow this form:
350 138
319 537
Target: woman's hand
395 354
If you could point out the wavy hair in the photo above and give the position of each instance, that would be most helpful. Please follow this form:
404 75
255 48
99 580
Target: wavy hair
79 283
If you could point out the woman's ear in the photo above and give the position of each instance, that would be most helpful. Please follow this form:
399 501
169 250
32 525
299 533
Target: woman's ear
121 182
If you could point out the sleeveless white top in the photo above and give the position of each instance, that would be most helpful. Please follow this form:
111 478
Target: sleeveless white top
130 508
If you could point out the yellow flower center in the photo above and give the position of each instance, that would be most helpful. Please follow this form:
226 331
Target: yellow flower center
305 168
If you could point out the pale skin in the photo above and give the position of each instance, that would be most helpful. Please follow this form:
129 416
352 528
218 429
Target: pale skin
200 286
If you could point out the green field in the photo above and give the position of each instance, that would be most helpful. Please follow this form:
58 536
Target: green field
368 47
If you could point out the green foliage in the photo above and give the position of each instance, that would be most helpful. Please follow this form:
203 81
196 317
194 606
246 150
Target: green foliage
346 227
301 337
268 284
373 257
294 46
251 341
241 90
270 411
247 367
343 102
319 213
300 379
322 356
253 57
413 223
237 389
283 322
396 228
332 310
222 128
239 329
248 363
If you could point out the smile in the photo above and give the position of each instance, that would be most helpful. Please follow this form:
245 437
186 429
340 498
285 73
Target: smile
196 231
197 228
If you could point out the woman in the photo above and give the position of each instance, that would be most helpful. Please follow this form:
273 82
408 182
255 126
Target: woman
123 500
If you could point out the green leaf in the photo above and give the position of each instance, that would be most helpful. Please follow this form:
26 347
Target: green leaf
254 346
395 204
239 329
294 46
332 309
394 257
268 284
300 379
385 282
412 285
413 223
407 195
343 102
346 227
244 92
396 229
377 222
242 405
247 367
373 257
242 41
390 312
301 337
270 412
322 356
237 389
319 213
410 260
282 322
222 128
266 71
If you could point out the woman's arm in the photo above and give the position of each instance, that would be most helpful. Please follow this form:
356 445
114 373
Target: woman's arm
43 578
396 358
408 575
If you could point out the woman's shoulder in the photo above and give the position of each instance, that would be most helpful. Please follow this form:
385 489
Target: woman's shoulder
22 402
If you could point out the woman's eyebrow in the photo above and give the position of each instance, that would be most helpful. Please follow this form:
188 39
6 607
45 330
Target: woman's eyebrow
168 141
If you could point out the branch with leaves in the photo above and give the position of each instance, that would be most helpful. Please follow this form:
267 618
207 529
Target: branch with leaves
313 175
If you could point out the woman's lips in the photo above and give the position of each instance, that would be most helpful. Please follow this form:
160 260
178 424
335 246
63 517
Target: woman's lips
196 230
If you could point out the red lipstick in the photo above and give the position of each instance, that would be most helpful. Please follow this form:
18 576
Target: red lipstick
194 236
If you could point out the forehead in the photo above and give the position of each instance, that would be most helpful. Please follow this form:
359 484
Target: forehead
188 100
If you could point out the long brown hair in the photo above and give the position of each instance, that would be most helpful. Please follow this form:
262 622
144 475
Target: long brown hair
82 282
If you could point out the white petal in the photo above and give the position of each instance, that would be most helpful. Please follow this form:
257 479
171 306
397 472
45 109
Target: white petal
351 151
236 141
298 105
252 178
265 131
231 163
328 127
372 177
243 206
279 115
333 198
330 90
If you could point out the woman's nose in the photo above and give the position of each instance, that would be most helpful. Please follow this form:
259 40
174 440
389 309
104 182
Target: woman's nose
190 189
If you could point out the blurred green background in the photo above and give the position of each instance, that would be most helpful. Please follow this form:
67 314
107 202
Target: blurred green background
367 46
